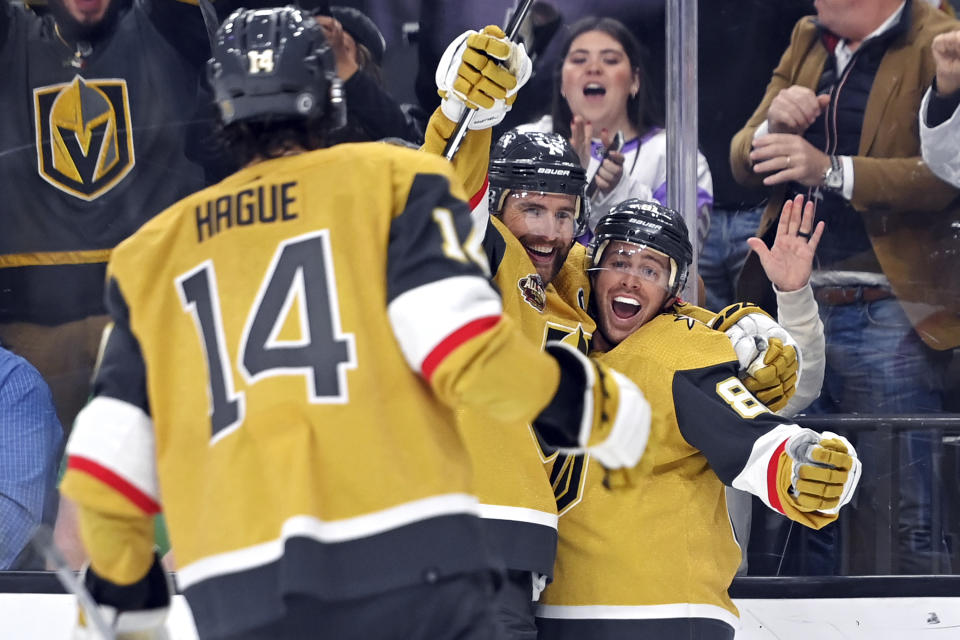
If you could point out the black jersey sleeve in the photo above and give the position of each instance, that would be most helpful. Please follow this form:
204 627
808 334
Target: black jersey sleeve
121 373
428 240
720 417
494 246
940 107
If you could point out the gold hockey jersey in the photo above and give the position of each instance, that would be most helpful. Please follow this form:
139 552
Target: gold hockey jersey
517 501
287 350
661 545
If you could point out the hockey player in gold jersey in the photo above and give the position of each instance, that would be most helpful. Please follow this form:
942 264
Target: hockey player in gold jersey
528 192
287 352
654 558
535 190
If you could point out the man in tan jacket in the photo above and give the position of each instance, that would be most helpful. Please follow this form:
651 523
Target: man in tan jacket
838 123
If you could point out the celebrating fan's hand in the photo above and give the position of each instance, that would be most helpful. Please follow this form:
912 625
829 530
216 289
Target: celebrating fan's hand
788 157
611 169
946 55
789 262
343 45
794 109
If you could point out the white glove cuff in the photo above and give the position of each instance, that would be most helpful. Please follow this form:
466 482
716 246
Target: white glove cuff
453 107
631 429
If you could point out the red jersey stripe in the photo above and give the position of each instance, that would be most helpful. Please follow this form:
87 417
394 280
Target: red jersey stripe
454 340
114 481
479 195
772 495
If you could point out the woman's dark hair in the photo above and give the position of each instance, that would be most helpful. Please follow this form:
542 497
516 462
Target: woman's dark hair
639 109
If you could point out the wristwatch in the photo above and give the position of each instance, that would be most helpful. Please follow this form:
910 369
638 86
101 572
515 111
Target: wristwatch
833 176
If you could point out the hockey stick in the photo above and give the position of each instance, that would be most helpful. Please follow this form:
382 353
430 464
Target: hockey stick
210 21
513 28
42 541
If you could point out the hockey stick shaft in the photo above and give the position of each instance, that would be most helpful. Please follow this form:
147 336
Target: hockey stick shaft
42 541
513 28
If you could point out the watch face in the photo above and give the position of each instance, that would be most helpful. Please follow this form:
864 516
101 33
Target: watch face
833 178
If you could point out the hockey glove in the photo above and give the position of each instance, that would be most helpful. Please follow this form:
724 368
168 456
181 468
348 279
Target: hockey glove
817 474
595 410
768 355
133 612
483 71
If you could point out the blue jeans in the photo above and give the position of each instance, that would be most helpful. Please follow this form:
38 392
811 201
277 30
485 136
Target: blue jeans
877 364
724 253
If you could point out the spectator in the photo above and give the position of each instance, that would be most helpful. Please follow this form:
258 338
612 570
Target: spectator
94 96
830 124
602 89
371 113
939 113
30 447
443 20
740 42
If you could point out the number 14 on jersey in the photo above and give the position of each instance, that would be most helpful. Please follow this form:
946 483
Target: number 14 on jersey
301 272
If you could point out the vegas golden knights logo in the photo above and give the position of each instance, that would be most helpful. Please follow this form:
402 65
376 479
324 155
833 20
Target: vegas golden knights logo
84 142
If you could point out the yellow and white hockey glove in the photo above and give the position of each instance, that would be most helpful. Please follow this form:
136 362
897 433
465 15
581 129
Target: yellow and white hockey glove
818 473
596 410
768 356
132 612
483 71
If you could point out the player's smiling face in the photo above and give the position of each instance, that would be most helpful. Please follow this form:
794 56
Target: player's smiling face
544 223
630 287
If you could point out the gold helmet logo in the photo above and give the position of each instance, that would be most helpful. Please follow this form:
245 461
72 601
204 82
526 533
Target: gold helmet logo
84 146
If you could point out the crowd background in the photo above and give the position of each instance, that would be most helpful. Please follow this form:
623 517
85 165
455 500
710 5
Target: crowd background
388 51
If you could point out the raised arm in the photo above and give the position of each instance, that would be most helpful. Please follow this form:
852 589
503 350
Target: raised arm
469 76
940 111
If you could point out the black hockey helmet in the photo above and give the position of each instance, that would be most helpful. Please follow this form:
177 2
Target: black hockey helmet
650 225
274 64
536 161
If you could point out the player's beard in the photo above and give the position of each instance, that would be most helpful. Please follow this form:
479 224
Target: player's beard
561 250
